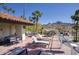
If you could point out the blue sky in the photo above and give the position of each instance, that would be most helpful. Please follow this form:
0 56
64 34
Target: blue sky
52 12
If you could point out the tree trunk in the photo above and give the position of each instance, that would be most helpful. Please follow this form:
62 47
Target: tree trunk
76 35
37 24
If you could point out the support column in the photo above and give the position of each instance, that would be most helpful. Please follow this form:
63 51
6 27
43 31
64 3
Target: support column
23 33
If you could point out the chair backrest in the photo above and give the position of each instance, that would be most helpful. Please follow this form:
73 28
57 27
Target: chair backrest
39 36
34 38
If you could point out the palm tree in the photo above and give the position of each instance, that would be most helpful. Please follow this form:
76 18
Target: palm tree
36 14
13 11
32 19
75 18
7 9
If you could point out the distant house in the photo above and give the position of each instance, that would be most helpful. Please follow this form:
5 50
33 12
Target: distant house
12 25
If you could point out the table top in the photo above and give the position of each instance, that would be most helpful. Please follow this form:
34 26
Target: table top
46 53
15 51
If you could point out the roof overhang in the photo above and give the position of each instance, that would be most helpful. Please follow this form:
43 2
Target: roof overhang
5 18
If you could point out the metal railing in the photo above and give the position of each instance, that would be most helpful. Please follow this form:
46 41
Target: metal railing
68 43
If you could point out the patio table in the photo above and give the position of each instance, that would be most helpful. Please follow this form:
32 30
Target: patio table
16 51
46 53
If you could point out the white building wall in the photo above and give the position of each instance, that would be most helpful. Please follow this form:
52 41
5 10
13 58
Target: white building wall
10 29
4 30
23 33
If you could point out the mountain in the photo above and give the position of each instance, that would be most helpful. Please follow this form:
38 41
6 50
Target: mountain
59 25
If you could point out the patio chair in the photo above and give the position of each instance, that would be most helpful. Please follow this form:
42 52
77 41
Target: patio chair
40 37
39 41
15 39
1 41
73 45
6 40
74 48
77 50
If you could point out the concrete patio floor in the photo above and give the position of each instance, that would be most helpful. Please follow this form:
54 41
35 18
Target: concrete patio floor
34 49
4 49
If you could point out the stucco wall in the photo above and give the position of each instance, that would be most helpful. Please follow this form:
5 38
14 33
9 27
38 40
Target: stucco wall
4 30
18 30
8 29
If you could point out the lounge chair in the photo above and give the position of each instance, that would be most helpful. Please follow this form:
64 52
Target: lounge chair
74 48
77 50
73 45
41 37
39 41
